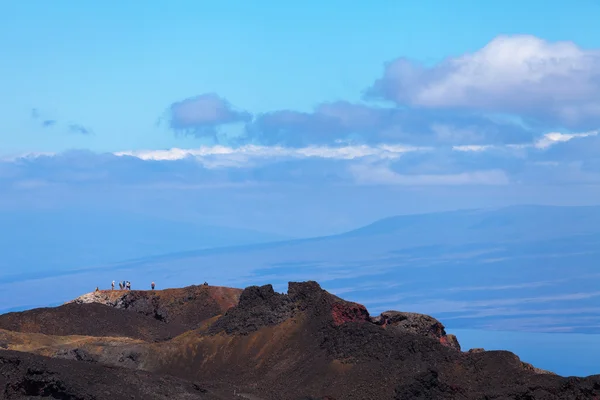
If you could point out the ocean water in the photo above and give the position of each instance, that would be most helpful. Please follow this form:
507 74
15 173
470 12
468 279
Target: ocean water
567 354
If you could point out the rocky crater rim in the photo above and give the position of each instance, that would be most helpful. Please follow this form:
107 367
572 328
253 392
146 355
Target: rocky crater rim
257 306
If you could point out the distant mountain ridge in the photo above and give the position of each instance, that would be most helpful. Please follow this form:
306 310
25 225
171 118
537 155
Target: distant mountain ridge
69 239
531 222
527 221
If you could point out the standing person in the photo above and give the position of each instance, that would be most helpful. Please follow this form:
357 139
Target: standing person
152 285
128 285
112 286
120 285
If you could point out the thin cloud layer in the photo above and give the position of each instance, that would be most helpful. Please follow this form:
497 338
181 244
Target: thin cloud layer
249 152
555 83
389 165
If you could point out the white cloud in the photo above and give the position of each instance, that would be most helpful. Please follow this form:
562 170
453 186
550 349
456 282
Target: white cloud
475 148
214 156
15 157
552 138
383 164
543 142
521 74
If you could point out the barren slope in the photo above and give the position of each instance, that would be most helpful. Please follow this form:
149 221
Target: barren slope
27 376
159 315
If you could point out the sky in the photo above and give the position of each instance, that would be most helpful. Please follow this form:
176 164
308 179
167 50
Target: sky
298 118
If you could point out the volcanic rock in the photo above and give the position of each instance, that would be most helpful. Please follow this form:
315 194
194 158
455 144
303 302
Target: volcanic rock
188 307
27 376
419 324
257 307
90 319
306 344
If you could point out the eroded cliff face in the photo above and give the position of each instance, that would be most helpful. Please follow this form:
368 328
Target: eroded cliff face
307 343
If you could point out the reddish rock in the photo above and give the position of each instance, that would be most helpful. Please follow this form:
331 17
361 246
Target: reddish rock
450 341
346 311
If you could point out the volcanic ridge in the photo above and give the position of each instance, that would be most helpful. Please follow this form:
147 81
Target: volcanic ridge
209 342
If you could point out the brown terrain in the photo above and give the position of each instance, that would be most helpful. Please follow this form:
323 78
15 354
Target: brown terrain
206 342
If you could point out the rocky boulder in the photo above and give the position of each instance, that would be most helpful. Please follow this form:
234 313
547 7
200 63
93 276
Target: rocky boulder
419 324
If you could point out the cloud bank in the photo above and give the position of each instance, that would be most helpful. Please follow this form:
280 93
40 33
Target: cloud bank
519 111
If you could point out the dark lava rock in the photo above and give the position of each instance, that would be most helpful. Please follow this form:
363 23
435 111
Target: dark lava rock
419 324
262 306
88 320
77 355
476 350
306 294
27 376
426 386
259 306
282 347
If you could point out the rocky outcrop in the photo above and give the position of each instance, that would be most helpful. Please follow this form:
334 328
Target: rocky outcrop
345 311
418 324
259 306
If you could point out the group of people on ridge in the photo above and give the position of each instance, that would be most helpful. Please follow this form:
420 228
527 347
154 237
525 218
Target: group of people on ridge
122 285
126 285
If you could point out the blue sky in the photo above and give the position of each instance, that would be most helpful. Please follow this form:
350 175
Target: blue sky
337 113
